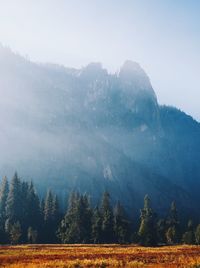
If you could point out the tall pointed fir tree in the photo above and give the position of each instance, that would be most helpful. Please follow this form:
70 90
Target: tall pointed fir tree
107 219
84 219
197 234
14 210
121 225
161 230
34 217
3 197
96 235
24 218
51 217
147 230
67 231
173 226
76 225
189 235
48 235
56 217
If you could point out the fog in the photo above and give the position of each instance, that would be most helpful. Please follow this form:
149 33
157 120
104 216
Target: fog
162 36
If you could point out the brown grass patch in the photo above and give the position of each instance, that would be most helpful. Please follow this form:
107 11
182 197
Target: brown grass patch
68 256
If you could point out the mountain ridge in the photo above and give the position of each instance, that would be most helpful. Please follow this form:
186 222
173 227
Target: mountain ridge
82 128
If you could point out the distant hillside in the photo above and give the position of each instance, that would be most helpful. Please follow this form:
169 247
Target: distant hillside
90 130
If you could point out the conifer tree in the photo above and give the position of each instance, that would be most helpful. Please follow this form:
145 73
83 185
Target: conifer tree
14 210
173 230
56 217
96 235
121 225
67 231
84 219
3 197
48 227
76 225
34 217
189 235
48 206
107 219
147 230
197 235
55 209
15 233
161 231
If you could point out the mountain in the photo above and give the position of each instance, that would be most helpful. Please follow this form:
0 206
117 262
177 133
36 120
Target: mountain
89 130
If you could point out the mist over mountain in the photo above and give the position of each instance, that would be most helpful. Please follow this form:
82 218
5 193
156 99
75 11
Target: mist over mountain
89 130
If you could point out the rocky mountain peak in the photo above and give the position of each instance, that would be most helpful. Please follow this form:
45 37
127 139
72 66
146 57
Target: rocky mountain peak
132 75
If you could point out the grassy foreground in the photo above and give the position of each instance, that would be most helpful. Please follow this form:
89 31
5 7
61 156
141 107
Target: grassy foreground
31 256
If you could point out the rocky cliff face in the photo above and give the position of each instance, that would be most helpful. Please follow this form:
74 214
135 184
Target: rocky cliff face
89 130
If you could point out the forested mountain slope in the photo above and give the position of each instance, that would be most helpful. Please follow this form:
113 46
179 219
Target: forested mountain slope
89 130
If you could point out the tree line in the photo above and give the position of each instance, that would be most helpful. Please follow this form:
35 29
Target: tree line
26 218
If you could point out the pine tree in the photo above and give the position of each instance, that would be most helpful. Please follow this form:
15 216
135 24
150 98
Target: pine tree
15 233
55 209
107 219
23 199
76 225
56 216
161 231
14 210
121 225
3 197
84 218
96 226
48 227
173 230
147 230
197 235
48 206
33 207
189 235
67 231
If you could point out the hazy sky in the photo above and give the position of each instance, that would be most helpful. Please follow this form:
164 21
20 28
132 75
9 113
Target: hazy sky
162 35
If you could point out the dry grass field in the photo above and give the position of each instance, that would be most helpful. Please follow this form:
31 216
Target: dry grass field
42 256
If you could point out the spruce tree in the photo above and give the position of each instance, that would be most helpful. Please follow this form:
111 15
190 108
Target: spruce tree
15 233
33 206
14 210
67 231
147 230
34 217
56 216
48 227
107 219
121 225
161 231
3 197
173 230
55 209
96 235
197 235
48 206
76 225
84 218
189 235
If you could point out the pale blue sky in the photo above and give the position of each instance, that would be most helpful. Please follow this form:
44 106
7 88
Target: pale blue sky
162 35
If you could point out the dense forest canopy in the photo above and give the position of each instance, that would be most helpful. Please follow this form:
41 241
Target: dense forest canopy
26 218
